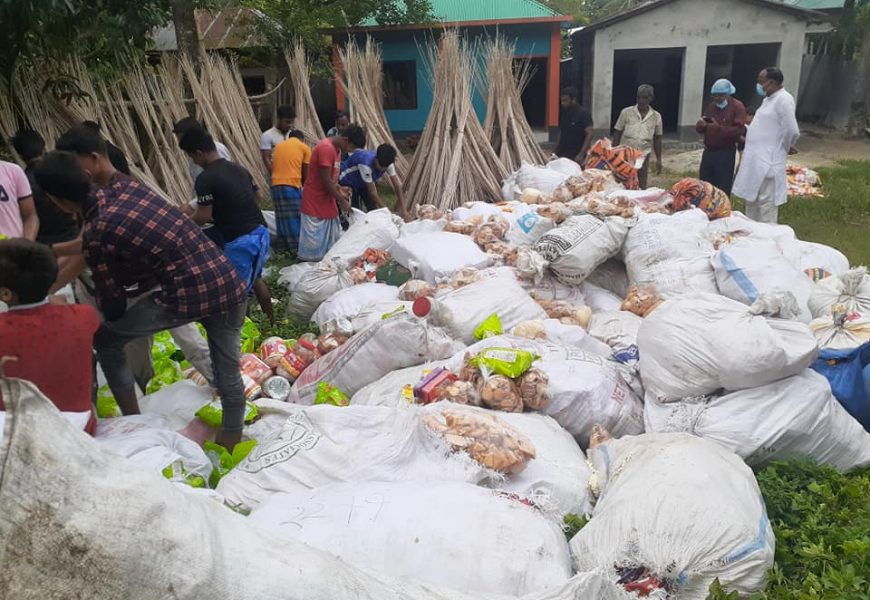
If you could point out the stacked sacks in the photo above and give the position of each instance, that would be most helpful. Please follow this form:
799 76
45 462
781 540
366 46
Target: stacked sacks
671 253
796 417
674 513
748 268
697 344
582 243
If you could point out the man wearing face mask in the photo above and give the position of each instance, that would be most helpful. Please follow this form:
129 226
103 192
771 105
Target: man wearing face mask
761 180
723 124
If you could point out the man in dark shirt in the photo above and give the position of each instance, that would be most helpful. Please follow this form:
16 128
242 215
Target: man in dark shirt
54 225
152 269
115 154
227 196
723 126
575 128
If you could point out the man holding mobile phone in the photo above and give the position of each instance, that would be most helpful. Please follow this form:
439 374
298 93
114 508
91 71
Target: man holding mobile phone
723 124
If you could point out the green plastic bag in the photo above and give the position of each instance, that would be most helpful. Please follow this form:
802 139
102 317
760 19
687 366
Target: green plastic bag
213 413
490 327
107 407
250 337
509 362
177 472
222 461
393 273
168 362
399 309
329 394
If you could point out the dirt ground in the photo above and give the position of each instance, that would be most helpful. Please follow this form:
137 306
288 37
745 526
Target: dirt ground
816 148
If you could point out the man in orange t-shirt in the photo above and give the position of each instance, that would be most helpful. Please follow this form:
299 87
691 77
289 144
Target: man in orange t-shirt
320 226
290 160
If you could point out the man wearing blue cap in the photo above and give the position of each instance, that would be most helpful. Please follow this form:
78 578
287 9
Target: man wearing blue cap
723 124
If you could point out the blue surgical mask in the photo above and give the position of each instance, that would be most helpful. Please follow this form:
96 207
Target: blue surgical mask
722 104
759 89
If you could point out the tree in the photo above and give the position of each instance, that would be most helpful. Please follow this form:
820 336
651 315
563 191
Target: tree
104 33
584 12
186 32
306 19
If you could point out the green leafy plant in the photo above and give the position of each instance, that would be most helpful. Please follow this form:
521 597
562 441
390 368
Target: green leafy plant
821 519
284 326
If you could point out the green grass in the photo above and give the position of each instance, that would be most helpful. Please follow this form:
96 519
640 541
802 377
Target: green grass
842 218
284 326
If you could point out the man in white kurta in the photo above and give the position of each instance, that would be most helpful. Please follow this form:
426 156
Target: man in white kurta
761 179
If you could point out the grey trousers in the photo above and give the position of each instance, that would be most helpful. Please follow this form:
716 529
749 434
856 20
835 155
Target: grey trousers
145 318
764 209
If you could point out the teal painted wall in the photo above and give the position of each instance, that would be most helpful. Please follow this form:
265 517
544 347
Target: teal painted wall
531 39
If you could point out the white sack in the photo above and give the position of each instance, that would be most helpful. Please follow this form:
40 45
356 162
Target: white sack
435 256
464 309
544 179
47 463
476 209
599 299
796 417
612 276
400 341
315 286
319 445
349 302
584 389
555 479
527 226
852 332
749 268
683 507
566 167
571 336
422 226
852 289
617 329
177 403
375 312
671 253
578 246
550 288
290 276
810 255
739 224
370 230
474 540
699 343
147 441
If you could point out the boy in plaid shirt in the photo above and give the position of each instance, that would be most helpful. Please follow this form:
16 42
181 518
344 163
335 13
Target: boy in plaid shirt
153 269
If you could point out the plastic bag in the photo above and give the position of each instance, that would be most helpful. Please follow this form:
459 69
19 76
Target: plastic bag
582 243
429 212
533 389
491 326
567 313
329 394
213 413
641 300
500 393
842 330
415 288
689 192
222 461
460 392
107 407
487 439
509 362
251 336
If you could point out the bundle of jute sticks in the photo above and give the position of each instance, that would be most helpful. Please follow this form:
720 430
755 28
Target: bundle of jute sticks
455 162
506 125
363 84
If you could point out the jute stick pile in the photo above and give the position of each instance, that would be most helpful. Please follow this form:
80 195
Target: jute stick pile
363 84
454 162
300 75
506 124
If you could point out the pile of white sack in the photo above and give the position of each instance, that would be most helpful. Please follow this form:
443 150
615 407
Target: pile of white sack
549 356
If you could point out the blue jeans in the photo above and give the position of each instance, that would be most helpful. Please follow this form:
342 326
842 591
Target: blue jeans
146 318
